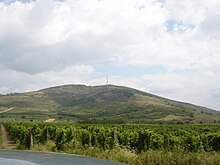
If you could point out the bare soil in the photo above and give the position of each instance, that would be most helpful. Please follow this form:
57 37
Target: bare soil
6 143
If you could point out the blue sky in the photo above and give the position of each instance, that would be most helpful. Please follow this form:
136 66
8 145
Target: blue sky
168 48
107 68
176 26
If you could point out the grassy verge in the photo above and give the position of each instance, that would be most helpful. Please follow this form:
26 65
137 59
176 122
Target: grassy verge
144 158
0 136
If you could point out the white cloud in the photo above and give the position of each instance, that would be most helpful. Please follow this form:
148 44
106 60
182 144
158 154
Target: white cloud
48 42
74 74
13 81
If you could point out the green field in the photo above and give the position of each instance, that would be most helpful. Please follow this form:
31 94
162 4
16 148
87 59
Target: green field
133 144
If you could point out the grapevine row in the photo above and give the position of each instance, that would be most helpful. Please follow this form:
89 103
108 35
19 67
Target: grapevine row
133 137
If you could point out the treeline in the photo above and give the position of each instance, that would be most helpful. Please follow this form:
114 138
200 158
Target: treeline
189 138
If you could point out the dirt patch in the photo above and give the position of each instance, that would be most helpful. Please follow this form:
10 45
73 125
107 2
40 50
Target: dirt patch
49 120
6 143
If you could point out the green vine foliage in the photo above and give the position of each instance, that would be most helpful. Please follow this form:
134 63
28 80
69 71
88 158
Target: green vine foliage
138 138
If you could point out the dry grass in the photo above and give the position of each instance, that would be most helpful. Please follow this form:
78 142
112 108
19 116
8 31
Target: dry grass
145 158
177 158
47 147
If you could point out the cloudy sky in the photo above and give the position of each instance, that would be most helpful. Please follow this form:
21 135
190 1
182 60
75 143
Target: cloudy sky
169 48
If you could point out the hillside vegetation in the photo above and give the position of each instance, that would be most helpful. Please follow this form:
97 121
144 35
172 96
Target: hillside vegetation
100 104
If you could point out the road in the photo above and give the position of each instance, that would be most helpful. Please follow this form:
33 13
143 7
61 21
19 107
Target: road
7 110
11 157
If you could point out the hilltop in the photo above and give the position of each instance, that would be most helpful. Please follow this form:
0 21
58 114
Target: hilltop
101 104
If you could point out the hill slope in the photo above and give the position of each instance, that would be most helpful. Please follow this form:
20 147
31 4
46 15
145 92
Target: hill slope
106 103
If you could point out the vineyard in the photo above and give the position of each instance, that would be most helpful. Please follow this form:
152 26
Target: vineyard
136 139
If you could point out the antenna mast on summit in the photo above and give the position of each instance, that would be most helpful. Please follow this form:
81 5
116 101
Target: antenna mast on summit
107 80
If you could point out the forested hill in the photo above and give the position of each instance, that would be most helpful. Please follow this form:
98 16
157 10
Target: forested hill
101 104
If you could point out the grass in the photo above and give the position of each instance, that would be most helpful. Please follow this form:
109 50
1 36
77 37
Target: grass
177 158
153 157
0 136
150 157
78 102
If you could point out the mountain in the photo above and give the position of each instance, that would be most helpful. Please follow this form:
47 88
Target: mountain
100 104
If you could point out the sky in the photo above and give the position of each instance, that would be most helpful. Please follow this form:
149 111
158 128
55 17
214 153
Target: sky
170 48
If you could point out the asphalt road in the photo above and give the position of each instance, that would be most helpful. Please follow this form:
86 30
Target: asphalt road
15 157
